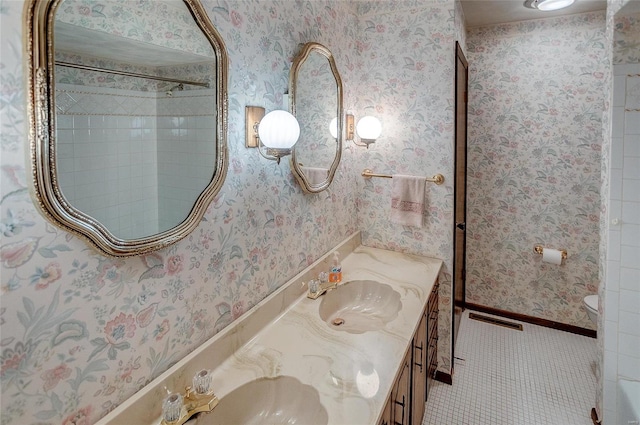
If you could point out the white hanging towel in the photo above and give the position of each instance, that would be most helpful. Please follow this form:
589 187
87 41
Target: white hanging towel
315 175
407 200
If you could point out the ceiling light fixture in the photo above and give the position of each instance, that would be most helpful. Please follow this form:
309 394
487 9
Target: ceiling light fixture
548 5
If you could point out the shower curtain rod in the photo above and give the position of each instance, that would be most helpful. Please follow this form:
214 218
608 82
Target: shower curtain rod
131 74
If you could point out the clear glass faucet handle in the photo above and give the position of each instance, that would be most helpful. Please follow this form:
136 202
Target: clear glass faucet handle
313 286
202 382
172 407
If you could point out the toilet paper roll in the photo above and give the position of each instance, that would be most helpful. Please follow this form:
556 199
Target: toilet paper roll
552 256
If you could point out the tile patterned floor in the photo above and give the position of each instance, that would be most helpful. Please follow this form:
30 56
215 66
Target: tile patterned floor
537 376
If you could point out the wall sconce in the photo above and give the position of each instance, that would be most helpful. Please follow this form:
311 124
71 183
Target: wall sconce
333 127
277 131
350 127
368 130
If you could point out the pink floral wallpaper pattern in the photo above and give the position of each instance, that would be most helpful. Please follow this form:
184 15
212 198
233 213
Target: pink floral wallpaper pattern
82 332
155 22
406 80
626 39
535 134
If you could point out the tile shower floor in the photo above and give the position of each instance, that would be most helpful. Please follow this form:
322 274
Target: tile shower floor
502 376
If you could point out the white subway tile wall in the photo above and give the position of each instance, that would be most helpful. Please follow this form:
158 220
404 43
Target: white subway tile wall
622 310
114 164
186 152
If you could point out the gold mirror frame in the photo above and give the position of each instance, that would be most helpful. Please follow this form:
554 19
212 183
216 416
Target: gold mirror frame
296 168
45 191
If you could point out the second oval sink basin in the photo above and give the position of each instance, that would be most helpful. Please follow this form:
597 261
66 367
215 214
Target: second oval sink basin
360 306
280 400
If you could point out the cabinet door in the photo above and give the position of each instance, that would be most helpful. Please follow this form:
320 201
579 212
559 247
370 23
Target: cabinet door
432 336
420 368
401 394
386 415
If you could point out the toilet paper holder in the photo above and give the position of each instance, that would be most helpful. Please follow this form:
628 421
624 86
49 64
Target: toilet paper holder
539 249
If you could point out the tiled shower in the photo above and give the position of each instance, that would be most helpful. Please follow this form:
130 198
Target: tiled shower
622 283
150 138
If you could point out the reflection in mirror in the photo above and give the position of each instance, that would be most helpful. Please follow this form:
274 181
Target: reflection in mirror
626 43
316 90
137 120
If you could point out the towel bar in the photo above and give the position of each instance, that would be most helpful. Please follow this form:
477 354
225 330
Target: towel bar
367 174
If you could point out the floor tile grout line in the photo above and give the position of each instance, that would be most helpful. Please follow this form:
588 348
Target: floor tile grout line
530 376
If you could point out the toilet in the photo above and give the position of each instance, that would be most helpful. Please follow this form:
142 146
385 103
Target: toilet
591 305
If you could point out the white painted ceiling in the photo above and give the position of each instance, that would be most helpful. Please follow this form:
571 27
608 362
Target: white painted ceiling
489 12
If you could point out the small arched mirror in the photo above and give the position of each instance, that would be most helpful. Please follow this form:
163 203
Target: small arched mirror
316 90
127 107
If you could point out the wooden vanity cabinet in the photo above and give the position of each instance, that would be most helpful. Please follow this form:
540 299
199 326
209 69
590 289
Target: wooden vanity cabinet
401 395
386 415
397 411
432 335
409 394
420 367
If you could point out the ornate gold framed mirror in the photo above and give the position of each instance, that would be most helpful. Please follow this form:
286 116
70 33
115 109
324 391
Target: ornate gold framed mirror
315 88
127 106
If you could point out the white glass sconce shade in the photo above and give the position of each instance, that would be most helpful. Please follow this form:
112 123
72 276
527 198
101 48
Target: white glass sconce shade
333 128
276 132
369 129
279 130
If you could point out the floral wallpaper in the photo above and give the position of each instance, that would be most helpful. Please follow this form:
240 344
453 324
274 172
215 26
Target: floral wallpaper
460 26
605 175
82 332
316 105
162 23
535 135
605 189
406 69
626 39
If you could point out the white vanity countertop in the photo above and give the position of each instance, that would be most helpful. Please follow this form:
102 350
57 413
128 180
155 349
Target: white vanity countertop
299 344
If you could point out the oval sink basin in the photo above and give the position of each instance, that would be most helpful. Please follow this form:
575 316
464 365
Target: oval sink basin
360 306
280 400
